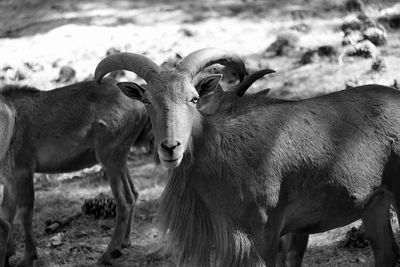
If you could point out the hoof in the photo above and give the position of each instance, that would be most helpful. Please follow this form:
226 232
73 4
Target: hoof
106 259
10 251
29 260
9 254
116 254
25 263
126 244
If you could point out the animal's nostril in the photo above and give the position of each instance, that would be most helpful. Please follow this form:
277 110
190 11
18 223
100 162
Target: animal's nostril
177 143
166 147
170 146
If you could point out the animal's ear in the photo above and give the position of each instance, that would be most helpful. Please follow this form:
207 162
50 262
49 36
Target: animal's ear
208 84
131 90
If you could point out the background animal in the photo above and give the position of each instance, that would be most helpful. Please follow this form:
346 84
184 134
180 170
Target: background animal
263 170
67 129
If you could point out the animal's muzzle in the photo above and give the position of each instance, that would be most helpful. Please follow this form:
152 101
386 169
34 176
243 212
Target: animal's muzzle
170 146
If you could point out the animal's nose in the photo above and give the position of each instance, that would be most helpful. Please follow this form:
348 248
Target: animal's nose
169 145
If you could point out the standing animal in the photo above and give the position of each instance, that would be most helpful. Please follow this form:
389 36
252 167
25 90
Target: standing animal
67 129
7 122
240 180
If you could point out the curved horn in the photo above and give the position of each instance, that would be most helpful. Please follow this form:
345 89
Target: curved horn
242 87
141 65
200 59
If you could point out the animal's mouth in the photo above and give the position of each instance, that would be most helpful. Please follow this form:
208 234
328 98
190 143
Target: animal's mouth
170 160
171 163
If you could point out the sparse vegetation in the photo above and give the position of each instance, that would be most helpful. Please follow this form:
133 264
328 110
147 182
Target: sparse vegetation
355 238
100 207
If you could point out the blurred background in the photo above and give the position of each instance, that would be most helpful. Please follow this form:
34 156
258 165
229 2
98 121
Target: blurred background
315 46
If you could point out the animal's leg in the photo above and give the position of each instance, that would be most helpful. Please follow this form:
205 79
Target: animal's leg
283 249
4 232
8 211
292 247
270 249
27 198
112 153
115 177
131 196
376 220
297 248
266 234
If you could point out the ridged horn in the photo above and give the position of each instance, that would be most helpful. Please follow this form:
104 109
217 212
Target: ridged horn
200 59
241 88
141 65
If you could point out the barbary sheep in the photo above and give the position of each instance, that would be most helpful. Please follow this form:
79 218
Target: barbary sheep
240 179
68 129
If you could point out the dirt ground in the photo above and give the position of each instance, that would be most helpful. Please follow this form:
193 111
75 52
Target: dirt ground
38 38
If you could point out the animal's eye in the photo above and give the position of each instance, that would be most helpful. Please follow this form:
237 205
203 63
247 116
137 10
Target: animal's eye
194 100
146 102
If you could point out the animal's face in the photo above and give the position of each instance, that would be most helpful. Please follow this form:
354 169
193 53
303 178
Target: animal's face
171 102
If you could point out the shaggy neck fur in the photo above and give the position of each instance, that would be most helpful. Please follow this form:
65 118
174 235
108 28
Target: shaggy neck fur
198 235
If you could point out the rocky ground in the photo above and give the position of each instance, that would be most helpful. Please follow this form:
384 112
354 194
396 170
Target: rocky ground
315 47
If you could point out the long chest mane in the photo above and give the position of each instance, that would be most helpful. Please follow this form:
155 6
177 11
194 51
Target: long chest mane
199 235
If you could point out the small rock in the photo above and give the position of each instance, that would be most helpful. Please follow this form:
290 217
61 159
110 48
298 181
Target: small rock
327 51
351 25
358 260
366 21
396 84
57 240
308 57
378 65
364 49
186 32
35 67
376 35
354 5
19 75
112 50
66 74
352 37
284 43
11 74
351 83
302 27
6 68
